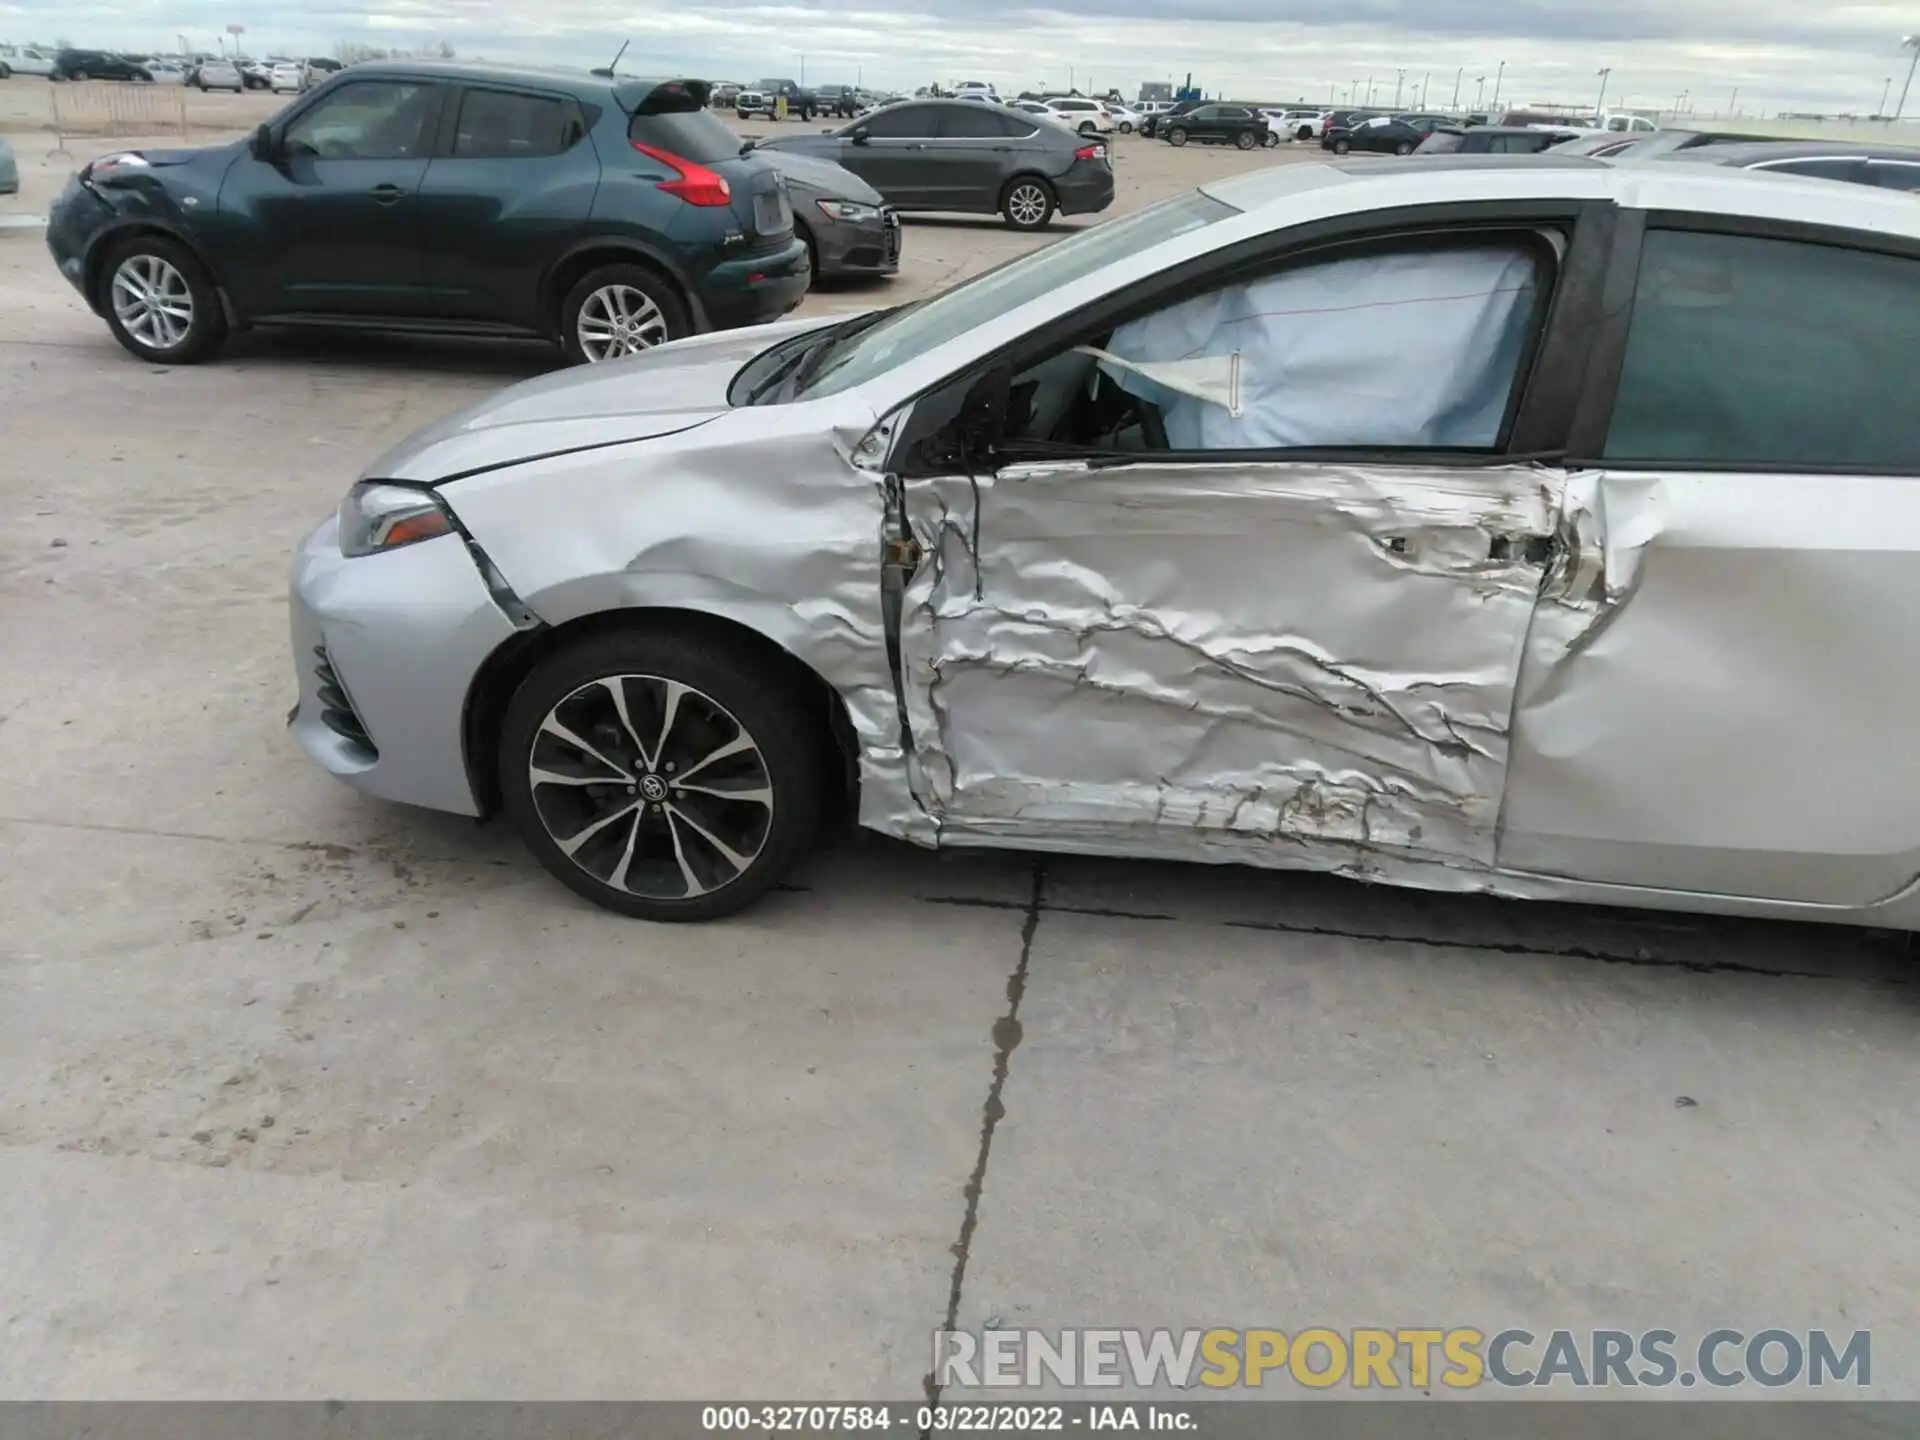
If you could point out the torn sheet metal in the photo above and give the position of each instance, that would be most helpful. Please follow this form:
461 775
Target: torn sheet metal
1287 664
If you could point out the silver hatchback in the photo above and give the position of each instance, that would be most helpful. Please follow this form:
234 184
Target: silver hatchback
1510 524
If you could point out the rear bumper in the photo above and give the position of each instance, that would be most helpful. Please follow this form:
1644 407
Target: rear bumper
1086 189
754 289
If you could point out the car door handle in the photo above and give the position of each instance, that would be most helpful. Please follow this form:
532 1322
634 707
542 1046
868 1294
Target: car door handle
387 194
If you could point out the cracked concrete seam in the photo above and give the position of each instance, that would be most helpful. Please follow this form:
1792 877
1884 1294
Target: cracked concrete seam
1007 1034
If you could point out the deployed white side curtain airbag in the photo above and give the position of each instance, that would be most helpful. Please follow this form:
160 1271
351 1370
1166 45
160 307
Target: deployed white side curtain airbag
1413 349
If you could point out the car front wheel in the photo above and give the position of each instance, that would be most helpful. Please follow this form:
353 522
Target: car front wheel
1305 132
160 302
620 310
1027 203
1245 140
1126 127
661 776
1176 136
1341 147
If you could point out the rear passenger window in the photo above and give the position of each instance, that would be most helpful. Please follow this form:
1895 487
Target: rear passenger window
500 125
1744 351
971 123
1895 174
696 135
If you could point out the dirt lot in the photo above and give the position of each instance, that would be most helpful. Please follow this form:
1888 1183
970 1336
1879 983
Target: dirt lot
306 1095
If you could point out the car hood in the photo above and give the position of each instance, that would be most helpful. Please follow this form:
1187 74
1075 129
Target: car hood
661 392
836 182
826 147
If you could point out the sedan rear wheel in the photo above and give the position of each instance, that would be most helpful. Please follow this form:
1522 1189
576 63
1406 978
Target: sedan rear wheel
1405 147
1027 203
1176 136
1342 146
660 776
160 303
1126 127
620 310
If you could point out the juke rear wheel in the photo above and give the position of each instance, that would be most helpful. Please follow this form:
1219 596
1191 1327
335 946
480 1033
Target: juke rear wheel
661 776
620 310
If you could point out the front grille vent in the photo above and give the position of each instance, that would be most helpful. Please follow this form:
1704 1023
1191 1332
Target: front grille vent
337 712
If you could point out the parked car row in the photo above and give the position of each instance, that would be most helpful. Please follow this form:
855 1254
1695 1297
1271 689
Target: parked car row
203 72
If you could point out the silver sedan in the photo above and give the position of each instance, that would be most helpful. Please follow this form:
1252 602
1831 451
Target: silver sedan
1547 528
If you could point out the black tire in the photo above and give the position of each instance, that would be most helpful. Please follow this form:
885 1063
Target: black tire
80 76
1405 147
1342 146
1271 141
1305 132
740 115
206 331
813 253
651 283
1126 127
1086 127
1018 203
729 693
1177 135
1245 140
5 73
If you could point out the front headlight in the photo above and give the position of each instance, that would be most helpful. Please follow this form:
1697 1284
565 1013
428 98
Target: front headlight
847 210
377 516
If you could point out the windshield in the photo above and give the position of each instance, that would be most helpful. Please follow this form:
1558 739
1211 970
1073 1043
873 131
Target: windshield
913 330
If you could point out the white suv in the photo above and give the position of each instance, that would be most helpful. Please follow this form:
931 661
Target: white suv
25 60
1301 124
1089 117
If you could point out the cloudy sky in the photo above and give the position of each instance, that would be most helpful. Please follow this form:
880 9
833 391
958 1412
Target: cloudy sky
1781 54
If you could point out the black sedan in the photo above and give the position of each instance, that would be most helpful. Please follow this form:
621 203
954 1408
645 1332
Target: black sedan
74 64
971 157
848 228
1221 125
1389 134
1156 124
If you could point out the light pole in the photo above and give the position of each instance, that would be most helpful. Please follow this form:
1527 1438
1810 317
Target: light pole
1399 79
1499 75
1733 105
1457 75
1912 42
1424 78
1886 89
1480 93
1600 105
1369 90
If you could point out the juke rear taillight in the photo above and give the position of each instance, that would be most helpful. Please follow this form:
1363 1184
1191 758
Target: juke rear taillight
1090 152
695 184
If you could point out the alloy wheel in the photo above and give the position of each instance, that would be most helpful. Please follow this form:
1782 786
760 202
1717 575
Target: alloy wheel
1027 204
153 301
620 320
651 787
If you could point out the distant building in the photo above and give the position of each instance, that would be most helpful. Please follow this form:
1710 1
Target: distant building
1155 90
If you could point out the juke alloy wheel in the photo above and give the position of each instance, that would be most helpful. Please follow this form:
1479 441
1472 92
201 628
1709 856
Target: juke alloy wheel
659 775
620 310
160 303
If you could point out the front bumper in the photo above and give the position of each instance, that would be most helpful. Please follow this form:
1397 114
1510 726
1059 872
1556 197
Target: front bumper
1086 189
859 247
755 289
399 638
74 223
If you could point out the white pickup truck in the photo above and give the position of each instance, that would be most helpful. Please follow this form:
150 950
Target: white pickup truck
1607 122
25 60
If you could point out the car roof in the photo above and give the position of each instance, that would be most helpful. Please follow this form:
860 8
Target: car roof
1753 152
1457 128
553 76
1455 178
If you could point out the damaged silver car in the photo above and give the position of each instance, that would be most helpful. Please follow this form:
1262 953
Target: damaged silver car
1538 526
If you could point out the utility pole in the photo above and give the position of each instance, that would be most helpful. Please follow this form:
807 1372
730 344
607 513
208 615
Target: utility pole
1480 93
1886 89
1600 106
1399 79
1424 78
1499 75
1912 42
1733 105
1369 90
1457 76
